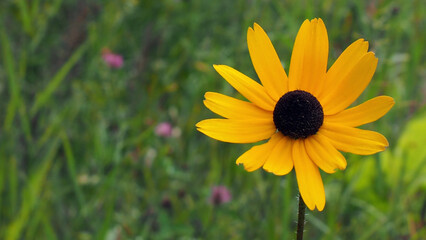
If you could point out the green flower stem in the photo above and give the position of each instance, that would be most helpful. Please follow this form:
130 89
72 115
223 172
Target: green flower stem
300 219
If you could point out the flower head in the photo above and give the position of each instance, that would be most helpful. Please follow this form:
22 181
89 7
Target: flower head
112 60
164 129
219 195
304 115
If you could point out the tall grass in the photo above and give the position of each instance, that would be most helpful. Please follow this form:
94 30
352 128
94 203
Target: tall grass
79 157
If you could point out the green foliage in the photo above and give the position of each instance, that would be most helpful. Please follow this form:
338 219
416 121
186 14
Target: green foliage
79 157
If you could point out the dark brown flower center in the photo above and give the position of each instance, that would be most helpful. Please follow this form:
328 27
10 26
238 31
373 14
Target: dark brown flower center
298 114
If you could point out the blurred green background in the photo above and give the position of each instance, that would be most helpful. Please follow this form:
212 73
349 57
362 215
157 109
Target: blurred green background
80 157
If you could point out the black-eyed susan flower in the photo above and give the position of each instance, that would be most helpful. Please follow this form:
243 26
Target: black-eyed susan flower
304 115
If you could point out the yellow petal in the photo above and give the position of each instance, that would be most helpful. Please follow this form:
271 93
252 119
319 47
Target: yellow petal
364 113
308 64
296 62
324 154
308 178
353 140
254 158
229 107
266 62
237 131
351 85
280 161
346 61
249 88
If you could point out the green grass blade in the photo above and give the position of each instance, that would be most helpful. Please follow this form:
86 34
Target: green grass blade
22 108
31 193
13 186
71 167
3 173
25 17
25 123
44 96
8 62
48 229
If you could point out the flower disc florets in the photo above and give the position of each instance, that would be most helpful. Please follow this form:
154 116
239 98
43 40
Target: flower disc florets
298 114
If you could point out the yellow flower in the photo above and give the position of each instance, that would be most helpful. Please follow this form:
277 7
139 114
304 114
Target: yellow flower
304 115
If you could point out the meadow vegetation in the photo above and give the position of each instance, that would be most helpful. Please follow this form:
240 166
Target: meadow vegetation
80 157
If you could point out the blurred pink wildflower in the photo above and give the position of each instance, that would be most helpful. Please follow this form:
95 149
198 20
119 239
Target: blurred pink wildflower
220 195
112 60
164 129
